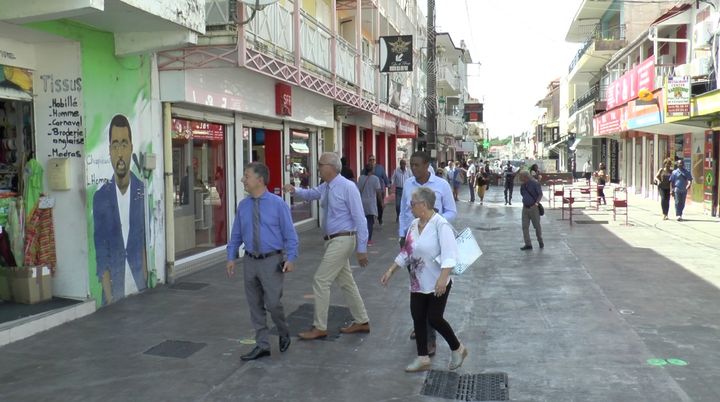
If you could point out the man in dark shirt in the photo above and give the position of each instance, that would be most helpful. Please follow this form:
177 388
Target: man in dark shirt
509 175
531 193
346 171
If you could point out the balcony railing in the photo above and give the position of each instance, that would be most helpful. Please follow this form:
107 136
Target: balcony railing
599 35
450 125
590 96
448 75
315 39
271 31
345 59
368 76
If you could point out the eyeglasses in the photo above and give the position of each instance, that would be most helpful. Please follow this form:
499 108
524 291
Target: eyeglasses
413 203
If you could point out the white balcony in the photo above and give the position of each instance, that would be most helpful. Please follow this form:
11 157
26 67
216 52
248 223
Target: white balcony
271 31
451 126
315 42
138 26
369 71
345 61
448 80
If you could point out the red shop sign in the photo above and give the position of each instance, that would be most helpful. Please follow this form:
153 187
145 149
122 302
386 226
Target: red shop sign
626 87
283 99
406 129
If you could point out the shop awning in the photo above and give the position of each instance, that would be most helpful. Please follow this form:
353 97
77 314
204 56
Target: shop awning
299 148
674 16
14 94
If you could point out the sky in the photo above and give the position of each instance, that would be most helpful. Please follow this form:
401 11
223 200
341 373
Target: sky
521 47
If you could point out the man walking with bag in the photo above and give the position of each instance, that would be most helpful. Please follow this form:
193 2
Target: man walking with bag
531 193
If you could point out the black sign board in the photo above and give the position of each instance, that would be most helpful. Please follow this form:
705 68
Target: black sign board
396 53
473 112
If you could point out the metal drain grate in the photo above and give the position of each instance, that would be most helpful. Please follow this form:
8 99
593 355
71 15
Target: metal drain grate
486 229
591 222
177 349
466 387
189 285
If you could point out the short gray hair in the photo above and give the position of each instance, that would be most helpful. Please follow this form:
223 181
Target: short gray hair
424 195
260 170
332 159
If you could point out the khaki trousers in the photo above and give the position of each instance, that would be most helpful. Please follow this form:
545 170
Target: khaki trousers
335 266
531 214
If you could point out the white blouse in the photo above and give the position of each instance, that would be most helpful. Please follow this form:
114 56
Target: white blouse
428 252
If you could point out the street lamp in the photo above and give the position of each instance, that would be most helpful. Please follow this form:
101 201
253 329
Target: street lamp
256 5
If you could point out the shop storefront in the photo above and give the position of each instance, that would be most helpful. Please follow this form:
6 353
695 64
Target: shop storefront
216 130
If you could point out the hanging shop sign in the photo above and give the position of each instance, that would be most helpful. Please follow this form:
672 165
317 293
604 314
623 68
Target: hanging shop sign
677 96
473 112
396 53
610 122
640 113
283 99
198 130
626 87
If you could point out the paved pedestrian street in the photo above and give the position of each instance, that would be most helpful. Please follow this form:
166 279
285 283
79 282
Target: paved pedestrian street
605 312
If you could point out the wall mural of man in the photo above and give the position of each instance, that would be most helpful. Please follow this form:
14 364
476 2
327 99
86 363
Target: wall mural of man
119 219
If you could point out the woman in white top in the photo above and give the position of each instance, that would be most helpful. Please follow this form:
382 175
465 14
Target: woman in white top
430 251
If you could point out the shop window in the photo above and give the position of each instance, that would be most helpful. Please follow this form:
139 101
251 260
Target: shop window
299 167
200 183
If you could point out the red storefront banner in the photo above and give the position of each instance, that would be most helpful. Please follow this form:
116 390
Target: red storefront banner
199 130
626 87
610 122
406 129
708 171
283 99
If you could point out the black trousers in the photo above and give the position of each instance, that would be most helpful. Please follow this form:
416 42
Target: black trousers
664 200
380 205
429 309
509 187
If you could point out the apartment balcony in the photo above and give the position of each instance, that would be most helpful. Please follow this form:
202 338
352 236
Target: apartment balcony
448 81
594 94
138 26
451 126
288 43
596 51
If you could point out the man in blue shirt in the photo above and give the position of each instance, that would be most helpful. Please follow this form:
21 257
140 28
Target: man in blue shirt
444 205
681 180
531 193
344 227
265 237
379 171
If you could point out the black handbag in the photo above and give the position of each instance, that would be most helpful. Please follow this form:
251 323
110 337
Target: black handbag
541 209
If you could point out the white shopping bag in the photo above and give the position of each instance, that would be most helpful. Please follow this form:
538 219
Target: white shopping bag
468 251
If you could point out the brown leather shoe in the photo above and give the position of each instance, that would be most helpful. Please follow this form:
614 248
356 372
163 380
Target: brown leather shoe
355 327
314 333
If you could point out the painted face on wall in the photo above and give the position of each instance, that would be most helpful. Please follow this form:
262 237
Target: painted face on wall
120 150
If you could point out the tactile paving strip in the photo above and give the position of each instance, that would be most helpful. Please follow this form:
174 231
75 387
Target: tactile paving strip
466 387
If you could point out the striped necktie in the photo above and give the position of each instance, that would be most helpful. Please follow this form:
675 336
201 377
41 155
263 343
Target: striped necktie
256 226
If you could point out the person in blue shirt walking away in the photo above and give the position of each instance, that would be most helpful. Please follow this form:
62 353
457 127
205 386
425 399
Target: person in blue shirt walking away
531 193
681 180
271 245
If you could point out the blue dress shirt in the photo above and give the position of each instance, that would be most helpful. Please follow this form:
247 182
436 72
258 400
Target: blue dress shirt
680 178
345 212
444 201
276 227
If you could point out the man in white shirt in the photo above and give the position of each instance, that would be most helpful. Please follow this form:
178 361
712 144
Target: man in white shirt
471 171
587 171
398 181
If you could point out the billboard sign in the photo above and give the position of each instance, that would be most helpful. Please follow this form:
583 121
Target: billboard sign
396 53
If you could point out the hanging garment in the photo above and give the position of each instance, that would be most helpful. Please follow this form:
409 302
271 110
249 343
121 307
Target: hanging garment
33 176
15 228
40 239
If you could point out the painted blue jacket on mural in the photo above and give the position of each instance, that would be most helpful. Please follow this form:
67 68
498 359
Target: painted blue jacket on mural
110 252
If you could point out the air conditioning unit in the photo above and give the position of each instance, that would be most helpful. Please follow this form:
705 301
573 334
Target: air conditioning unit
700 67
665 60
220 12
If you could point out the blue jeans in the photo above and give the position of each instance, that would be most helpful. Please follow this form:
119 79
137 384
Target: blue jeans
680 202
370 223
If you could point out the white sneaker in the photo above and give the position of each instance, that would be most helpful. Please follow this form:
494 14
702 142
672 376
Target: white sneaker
457 357
679 218
421 363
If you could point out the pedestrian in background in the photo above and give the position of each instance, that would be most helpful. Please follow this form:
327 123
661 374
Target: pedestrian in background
379 171
267 237
471 175
398 181
481 179
346 171
509 175
535 172
344 226
601 178
587 171
429 236
662 179
370 190
444 204
681 180
531 194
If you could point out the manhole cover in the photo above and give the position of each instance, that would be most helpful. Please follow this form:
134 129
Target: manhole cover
466 387
487 229
177 349
189 285
592 222
302 319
